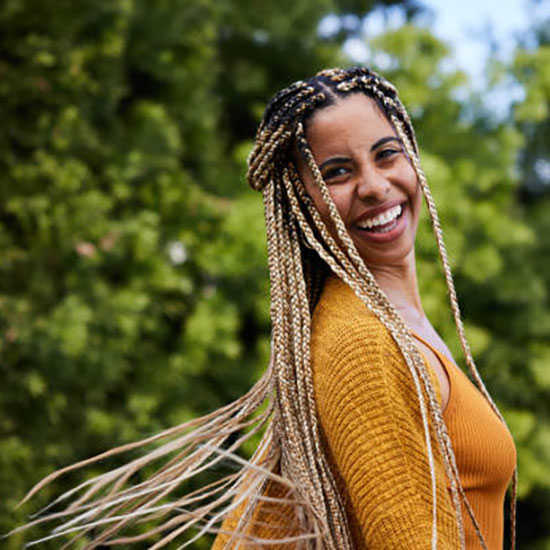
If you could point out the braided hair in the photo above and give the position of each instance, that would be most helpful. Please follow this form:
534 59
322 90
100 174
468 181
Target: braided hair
301 252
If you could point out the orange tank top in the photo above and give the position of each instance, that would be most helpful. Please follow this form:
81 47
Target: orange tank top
485 454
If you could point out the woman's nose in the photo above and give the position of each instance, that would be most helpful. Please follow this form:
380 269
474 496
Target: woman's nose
372 185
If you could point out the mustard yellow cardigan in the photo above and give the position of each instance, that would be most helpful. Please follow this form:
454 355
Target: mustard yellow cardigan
370 419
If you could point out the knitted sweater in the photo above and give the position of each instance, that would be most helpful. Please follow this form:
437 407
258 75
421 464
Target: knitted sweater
371 423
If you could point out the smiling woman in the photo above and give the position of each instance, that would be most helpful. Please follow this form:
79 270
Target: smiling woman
373 437
371 180
402 434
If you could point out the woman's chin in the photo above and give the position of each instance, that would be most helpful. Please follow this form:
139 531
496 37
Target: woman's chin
388 246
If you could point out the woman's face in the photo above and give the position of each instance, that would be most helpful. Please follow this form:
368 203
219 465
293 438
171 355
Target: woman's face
369 177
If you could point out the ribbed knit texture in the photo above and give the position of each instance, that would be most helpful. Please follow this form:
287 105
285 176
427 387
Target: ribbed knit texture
370 420
485 454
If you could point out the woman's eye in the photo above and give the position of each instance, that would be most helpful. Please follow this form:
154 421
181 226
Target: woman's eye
334 173
385 154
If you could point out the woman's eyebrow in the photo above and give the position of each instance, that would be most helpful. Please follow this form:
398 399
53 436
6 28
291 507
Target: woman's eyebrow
384 140
333 160
379 143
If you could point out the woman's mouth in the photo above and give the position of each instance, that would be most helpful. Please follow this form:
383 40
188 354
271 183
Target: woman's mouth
383 222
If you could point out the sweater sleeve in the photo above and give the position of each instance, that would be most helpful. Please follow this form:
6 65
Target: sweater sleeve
270 521
370 417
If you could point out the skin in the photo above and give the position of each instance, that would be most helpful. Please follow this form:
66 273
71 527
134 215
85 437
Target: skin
367 172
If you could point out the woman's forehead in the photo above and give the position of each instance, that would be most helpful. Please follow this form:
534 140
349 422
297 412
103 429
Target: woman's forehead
353 118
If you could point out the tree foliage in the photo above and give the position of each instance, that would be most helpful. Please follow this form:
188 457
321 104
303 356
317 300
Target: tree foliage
133 279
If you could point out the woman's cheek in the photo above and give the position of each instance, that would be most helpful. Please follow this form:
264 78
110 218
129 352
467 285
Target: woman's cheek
341 199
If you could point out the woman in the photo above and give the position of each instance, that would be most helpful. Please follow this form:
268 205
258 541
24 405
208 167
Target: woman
374 438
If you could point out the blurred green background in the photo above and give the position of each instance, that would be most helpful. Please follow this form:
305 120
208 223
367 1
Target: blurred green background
133 280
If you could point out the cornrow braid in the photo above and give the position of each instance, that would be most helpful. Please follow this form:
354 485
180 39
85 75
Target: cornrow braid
276 135
302 250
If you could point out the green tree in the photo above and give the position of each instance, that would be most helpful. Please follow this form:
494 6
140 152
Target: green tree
133 283
133 292
532 117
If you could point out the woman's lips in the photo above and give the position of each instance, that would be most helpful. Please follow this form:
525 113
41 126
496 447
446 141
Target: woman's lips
388 231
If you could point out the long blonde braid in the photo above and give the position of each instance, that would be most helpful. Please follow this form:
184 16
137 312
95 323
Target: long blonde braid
301 250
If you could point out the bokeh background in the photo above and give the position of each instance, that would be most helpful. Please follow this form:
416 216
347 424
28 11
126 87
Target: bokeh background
133 281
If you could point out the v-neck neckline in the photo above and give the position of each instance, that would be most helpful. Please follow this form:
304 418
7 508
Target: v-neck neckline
448 366
446 361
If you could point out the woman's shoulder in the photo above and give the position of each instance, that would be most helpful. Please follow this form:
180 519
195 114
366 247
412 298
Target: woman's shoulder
341 317
348 337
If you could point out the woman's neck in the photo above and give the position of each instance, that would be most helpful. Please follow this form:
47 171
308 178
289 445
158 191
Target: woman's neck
400 284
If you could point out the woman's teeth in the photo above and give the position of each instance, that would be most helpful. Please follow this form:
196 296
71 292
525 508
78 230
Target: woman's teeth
383 219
